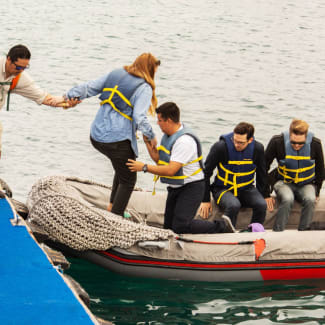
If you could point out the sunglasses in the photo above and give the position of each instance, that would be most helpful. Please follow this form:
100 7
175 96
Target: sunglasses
299 143
20 68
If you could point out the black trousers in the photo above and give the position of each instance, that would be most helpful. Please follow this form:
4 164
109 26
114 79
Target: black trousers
181 206
124 180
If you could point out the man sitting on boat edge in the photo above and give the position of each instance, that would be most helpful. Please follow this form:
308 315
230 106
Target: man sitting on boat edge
238 158
299 174
179 159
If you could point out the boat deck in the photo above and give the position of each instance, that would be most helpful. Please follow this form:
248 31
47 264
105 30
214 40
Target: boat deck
32 290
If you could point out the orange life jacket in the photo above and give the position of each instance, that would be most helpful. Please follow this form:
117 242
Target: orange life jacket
14 82
12 86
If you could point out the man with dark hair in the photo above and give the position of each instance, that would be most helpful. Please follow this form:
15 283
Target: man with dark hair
14 79
299 174
179 159
238 158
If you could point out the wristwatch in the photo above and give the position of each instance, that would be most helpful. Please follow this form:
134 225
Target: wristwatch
145 168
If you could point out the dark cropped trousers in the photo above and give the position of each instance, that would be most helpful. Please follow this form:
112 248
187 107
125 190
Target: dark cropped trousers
124 180
181 206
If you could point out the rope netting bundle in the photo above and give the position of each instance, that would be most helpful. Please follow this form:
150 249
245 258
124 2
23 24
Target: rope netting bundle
58 209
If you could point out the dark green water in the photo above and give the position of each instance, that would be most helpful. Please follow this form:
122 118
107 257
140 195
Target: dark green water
125 300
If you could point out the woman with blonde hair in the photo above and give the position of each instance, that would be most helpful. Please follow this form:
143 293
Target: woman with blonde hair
126 95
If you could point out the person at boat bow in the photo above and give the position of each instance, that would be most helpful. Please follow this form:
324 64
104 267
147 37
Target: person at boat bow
239 159
126 95
15 79
179 165
299 174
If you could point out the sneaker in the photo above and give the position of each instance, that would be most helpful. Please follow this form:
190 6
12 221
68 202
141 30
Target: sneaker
229 226
126 215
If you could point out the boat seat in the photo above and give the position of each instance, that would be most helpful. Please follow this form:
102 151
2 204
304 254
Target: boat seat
151 208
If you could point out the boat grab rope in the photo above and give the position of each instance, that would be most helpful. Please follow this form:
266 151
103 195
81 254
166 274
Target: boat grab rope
259 244
58 208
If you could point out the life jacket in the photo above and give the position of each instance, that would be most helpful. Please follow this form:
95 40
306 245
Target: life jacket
239 171
12 84
297 167
118 89
165 149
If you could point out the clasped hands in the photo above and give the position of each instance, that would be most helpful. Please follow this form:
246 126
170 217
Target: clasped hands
61 101
70 103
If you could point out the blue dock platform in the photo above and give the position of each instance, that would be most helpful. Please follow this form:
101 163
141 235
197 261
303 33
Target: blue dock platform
32 290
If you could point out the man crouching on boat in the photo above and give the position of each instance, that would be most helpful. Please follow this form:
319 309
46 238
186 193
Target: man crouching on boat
179 159
239 159
299 174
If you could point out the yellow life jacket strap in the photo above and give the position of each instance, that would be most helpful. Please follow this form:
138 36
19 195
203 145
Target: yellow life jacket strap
234 187
155 180
116 91
234 184
299 170
109 101
240 162
183 176
161 162
287 178
194 161
302 179
162 148
298 157
237 174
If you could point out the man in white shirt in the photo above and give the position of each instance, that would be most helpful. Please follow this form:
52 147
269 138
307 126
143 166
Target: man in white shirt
14 79
179 159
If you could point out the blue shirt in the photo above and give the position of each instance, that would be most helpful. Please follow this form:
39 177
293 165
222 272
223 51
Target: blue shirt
110 126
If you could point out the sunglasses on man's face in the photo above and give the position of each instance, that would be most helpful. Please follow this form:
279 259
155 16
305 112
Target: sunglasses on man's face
21 68
299 143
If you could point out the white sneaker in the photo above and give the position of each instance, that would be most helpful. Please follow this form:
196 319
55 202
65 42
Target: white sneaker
229 225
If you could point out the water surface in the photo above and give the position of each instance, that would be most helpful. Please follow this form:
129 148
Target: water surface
223 62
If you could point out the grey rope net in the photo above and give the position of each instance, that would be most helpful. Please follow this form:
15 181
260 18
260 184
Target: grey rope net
60 211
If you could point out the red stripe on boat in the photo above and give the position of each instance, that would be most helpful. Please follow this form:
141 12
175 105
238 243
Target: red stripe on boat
267 274
293 274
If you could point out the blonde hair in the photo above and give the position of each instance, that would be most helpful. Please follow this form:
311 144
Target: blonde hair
144 67
299 127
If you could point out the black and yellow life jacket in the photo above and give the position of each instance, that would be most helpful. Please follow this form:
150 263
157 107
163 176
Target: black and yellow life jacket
239 171
297 167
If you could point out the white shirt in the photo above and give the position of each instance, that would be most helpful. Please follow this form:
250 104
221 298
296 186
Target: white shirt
25 87
185 150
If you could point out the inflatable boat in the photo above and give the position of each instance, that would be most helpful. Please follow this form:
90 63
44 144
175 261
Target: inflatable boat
72 213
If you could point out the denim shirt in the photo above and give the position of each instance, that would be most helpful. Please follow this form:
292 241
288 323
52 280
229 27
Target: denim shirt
110 126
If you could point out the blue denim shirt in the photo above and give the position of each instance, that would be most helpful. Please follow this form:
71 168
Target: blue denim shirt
110 126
